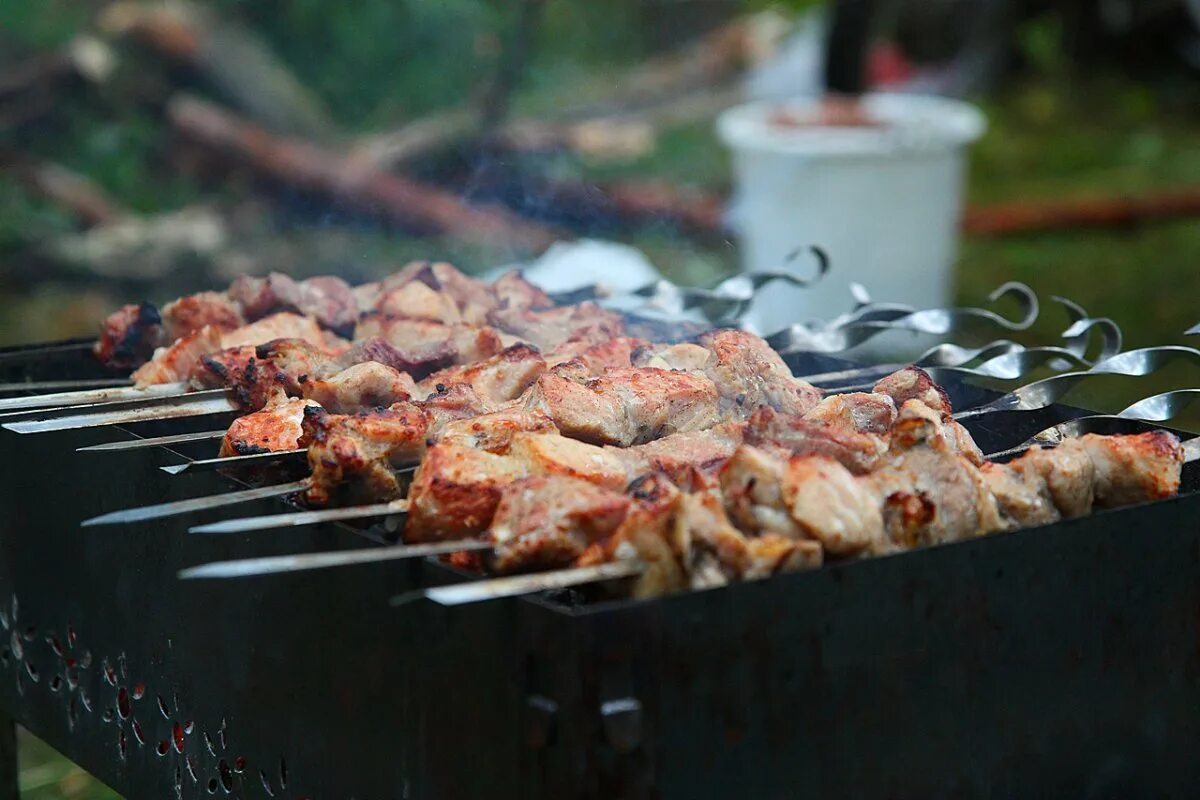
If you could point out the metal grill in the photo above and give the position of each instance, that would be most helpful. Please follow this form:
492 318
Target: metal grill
1058 659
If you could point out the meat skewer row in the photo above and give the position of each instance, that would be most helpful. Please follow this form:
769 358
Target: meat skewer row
358 451
363 458
763 515
434 291
200 360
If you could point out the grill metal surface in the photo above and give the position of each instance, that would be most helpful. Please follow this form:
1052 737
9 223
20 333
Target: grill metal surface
1060 661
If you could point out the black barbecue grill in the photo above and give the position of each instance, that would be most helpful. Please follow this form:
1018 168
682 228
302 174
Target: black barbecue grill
1061 661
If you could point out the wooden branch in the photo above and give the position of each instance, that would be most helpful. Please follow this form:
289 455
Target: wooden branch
1101 212
303 165
68 190
235 62
496 101
693 83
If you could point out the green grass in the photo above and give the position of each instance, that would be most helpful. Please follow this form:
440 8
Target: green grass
46 775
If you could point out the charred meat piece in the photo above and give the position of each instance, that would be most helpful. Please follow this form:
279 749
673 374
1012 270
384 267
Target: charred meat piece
360 386
548 329
748 374
751 484
919 425
328 300
627 406
914 383
789 435
129 336
180 360
277 427
191 313
548 522
353 457
542 454
1134 469
856 412
681 456
499 379
455 492
493 432
211 358
416 300
596 358
511 290
432 345
752 375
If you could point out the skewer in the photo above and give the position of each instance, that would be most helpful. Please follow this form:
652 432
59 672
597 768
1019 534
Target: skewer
119 394
56 348
270 565
153 441
731 297
195 404
143 513
934 321
1005 367
298 519
942 355
1134 419
46 386
1040 394
1077 338
227 462
458 594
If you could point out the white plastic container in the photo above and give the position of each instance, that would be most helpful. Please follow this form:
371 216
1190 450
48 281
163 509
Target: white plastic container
883 201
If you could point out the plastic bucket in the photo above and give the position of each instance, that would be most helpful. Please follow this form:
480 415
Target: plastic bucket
883 201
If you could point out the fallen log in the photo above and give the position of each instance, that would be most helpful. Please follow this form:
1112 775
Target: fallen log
303 165
692 82
234 61
1005 219
68 190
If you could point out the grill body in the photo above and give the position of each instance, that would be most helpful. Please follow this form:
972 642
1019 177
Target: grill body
1060 661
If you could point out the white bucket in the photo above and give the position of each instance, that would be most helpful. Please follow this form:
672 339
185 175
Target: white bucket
883 201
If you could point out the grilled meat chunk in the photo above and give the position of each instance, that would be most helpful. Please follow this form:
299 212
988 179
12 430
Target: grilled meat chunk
353 458
752 486
129 336
494 431
550 328
185 359
626 406
1134 469
277 427
191 313
914 383
748 374
547 522
747 371
683 456
788 435
361 386
455 492
857 412
326 299
499 379
179 361
919 425
512 290
432 344
416 300
596 358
